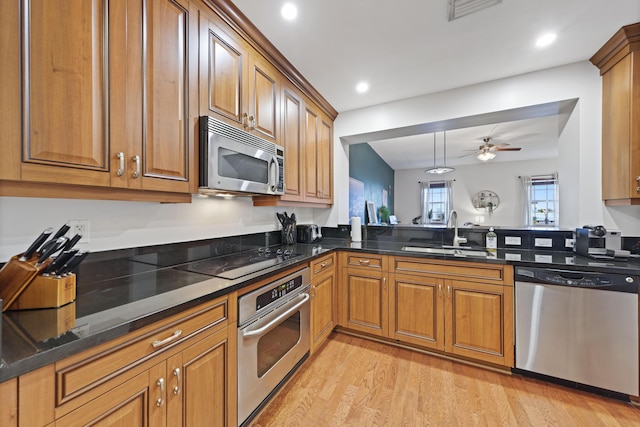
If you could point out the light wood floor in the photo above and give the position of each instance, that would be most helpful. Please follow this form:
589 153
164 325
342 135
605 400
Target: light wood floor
356 382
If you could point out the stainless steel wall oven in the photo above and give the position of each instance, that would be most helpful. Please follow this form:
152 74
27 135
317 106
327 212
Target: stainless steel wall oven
273 339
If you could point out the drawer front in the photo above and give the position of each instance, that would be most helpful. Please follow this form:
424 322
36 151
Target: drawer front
323 264
85 371
363 261
489 273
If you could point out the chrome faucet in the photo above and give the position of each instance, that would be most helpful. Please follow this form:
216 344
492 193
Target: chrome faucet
453 217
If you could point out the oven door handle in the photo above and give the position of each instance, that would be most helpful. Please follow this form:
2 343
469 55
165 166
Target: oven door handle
275 322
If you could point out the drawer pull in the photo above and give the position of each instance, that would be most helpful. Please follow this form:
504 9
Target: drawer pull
160 343
324 264
364 261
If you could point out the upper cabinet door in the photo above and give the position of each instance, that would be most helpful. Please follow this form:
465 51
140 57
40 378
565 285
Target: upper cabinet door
223 61
165 151
263 98
65 91
291 140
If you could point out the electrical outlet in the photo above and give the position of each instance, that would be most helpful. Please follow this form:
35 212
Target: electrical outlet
81 227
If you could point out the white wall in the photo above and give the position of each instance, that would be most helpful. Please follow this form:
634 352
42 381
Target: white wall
128 224
579 157
115 225
499 177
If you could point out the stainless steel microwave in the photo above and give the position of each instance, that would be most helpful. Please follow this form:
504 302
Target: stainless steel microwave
234 161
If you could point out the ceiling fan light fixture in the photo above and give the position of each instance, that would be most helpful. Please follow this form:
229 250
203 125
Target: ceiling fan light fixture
486 155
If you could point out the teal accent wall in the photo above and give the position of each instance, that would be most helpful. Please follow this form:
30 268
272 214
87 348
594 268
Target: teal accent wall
366 166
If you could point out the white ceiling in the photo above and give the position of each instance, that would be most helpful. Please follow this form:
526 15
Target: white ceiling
406 48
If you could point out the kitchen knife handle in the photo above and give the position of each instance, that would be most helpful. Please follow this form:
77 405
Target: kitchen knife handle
36 244
136 160
120 157
72 242
63 230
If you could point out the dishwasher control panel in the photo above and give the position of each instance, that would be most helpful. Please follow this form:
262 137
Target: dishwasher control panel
582 279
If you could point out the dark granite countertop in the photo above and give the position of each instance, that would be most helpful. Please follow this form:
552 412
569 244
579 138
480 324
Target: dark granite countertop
121 291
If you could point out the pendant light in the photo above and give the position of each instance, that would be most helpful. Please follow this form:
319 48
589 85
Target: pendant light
439 170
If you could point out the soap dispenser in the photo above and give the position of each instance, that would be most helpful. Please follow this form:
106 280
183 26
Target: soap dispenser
491 241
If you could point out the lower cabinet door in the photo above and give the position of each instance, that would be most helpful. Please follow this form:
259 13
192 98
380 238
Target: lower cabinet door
417 310
131 404
479 321
322 308
365 301
198 384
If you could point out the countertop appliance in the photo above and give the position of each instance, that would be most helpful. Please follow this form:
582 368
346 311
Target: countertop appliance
238 162
598 242
273 339
578 326
308 233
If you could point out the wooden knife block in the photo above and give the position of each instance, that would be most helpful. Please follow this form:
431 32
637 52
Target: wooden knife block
14 278
46 292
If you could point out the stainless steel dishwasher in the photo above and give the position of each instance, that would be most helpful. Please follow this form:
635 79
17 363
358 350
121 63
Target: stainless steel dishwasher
578 326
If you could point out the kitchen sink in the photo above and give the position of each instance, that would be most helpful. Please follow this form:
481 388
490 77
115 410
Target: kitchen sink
460 252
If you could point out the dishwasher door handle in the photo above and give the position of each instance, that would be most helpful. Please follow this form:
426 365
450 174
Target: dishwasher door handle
247 333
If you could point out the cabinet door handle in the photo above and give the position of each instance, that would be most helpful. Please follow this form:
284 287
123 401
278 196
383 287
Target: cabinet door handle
120 157
160 343
638 187
449 292
440 290
136 160
384 283
364 261
176 389
312 291
160 400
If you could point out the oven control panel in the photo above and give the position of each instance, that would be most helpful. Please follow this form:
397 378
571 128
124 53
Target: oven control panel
278 292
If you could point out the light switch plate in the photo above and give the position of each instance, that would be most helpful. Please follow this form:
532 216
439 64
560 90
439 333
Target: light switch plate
543 243
512 240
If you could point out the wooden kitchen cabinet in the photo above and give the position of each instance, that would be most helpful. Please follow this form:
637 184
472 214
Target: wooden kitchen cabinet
417 312
619 64
323 299
454 307
99 108
238 85
479 321
364 293
307 136
318 155
178 371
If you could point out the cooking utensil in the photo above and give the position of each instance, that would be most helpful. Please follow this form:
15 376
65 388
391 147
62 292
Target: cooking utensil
59 262
36 244
50 248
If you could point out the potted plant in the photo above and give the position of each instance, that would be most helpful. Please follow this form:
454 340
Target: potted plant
383 213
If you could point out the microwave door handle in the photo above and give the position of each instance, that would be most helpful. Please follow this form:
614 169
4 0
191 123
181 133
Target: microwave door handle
275 322
273 174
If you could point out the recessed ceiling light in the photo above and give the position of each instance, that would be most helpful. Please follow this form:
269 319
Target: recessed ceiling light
545 40
362 87
289 11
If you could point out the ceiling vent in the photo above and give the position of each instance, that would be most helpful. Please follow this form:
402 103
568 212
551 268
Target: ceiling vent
459 8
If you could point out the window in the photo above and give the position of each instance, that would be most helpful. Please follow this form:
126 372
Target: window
436 201
541 200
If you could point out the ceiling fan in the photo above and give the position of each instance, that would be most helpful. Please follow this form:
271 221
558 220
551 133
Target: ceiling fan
487 150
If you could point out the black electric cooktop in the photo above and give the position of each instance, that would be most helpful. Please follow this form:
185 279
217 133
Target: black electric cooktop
241 264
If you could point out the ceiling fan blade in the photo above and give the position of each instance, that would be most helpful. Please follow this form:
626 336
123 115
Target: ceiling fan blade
470 154
508 149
